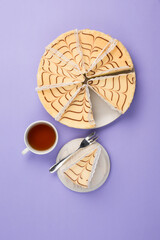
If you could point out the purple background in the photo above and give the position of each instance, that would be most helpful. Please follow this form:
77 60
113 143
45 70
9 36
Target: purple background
33 203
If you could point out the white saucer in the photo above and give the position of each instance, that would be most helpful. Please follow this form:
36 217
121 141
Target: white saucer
102 169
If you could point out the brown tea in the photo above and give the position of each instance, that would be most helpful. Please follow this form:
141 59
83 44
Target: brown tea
41 137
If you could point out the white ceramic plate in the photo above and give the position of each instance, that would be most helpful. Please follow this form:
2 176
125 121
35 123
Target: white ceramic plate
103 113
102 169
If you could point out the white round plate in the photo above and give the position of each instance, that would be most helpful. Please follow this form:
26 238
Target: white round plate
102 169
103 113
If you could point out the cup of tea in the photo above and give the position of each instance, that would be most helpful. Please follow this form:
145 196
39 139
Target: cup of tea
40 137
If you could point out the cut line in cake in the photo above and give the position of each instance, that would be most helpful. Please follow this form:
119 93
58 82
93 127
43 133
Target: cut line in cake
46 87
110 46
116 90
78 109
62 57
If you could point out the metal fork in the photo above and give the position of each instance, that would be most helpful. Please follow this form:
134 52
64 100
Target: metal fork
90 139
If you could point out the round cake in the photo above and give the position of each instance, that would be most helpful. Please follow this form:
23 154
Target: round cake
78 62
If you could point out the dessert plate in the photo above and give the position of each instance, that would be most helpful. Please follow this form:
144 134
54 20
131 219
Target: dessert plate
102 169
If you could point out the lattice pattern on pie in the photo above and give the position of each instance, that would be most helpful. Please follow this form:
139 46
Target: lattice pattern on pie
73 62
81 172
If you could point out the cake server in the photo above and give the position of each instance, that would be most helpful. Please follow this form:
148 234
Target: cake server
90 139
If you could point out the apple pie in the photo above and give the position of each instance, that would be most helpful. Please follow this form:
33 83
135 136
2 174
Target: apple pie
78 62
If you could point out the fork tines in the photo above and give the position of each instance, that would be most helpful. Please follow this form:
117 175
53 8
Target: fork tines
93 139
90 135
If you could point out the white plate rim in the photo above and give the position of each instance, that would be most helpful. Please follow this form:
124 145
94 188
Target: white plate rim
90 189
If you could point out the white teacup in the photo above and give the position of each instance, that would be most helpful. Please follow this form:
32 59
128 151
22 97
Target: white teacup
31 148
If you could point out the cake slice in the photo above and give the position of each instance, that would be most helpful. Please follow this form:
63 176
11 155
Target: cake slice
81 172
109 54
56 98
67 48
53 71
116 90
78 111
92 43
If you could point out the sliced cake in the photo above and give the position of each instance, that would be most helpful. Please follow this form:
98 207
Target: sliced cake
78 58
102 54
56 98
67 48
92 44
53 71
78 112
81 172
117 90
